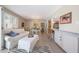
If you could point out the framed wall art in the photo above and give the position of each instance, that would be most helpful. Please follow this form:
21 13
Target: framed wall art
65 19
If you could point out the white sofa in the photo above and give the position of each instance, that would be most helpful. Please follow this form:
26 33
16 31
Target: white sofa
12 42
28 43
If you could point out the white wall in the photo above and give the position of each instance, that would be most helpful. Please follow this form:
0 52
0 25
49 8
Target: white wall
74 26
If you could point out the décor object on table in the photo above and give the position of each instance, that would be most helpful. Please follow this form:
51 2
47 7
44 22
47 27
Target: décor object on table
30 34
66 18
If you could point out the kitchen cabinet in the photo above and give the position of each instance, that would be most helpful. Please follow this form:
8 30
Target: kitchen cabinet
9 21
14 22
6 20
58 37
68 41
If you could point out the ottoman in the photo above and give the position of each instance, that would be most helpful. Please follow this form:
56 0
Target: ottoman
28 43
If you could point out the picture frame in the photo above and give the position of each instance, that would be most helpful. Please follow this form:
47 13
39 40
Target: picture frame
66 19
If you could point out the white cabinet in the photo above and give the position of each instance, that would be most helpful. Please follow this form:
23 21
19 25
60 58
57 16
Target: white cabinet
14 22
68 41
58 37
9 21
6 21
68 44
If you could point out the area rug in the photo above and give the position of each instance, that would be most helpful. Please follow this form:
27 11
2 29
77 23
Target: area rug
40 49
18 51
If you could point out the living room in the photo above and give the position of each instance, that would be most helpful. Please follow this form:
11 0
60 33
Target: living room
20 27
52 27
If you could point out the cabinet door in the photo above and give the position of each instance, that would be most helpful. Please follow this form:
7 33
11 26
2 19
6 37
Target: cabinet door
68 43
58 38
14 22
7 22
55 37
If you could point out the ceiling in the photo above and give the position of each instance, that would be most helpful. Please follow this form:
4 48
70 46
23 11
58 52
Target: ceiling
34 11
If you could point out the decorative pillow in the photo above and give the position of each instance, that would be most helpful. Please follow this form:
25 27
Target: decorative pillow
11 33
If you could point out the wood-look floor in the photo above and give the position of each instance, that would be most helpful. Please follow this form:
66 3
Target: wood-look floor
46 39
